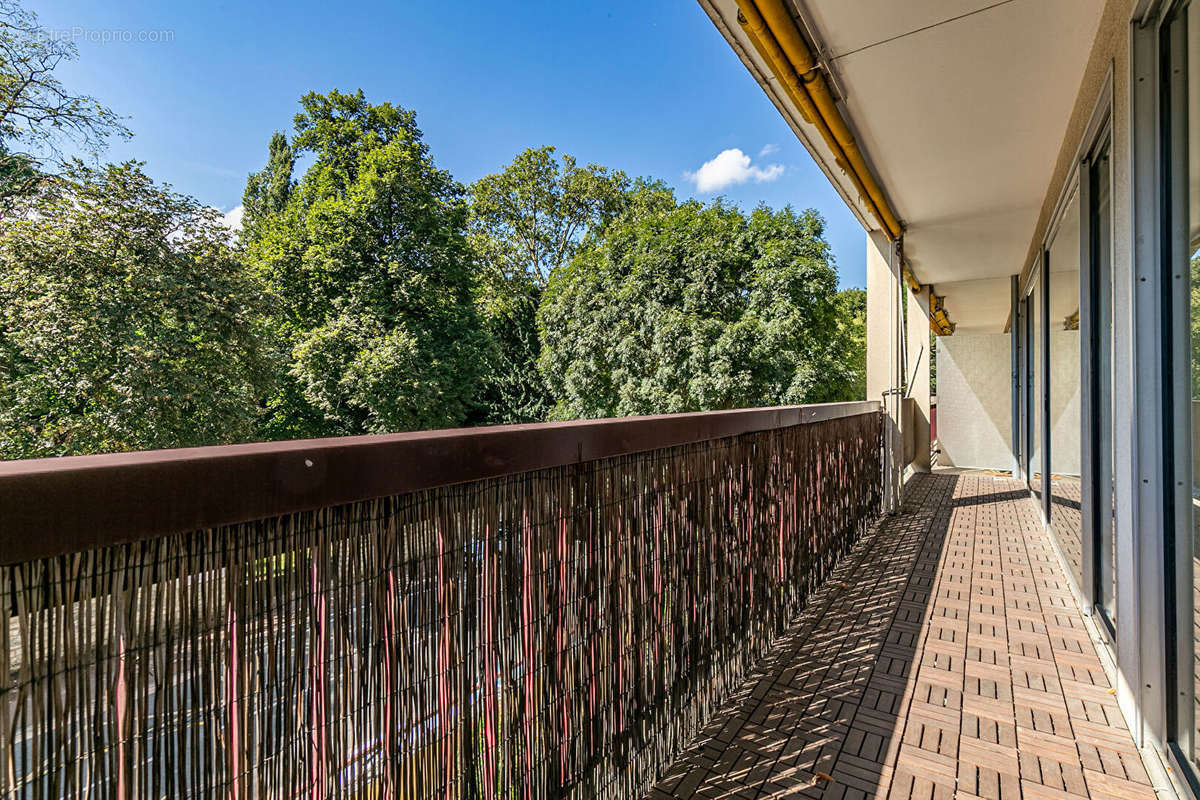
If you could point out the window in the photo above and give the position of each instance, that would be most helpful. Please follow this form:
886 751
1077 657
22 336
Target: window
1179 179
1036 384
1101 496
1065 387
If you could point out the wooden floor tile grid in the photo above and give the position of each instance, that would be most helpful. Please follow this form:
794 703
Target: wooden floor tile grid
945 658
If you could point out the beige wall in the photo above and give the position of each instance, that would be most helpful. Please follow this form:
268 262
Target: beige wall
975 400
918 374
879 289
881 326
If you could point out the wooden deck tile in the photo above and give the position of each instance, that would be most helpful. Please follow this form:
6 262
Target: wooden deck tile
945 658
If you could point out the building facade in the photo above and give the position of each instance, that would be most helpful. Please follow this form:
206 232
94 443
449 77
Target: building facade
1028 174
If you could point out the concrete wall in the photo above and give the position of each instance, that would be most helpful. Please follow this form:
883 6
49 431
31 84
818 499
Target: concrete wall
975 400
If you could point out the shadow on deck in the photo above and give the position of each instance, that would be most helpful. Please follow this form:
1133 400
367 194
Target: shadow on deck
945 657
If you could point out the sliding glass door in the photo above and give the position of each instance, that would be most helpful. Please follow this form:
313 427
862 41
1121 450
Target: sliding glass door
1066 395
1097 248
1179 126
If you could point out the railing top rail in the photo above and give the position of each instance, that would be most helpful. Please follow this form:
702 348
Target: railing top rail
52 506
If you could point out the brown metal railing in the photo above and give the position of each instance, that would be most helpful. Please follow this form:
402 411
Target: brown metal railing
514 612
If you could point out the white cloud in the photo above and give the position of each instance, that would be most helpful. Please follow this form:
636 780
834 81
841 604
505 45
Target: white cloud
233 218
767 150
730 167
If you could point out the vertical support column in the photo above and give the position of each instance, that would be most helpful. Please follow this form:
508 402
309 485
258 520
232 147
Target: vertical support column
884 340
917 333
879 332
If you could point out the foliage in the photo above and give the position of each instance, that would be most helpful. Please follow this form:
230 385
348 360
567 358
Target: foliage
1195 307
371 275
527 221
689 307
846 376
125 321
38 115
267 191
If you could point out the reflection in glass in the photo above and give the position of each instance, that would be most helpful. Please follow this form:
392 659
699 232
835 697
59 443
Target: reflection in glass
1100 247
1189 21
1035 387
1066 517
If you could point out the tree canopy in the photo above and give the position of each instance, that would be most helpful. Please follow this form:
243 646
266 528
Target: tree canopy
126 322
370 274
527 221
371 292
38 115
687 307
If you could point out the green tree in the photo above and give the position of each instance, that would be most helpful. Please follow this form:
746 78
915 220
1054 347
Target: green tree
38 115
1195 308
267 191
845 378
126 323
690 307
527 221
370 273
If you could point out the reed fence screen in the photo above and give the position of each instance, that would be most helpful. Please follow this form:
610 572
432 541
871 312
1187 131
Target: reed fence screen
557 633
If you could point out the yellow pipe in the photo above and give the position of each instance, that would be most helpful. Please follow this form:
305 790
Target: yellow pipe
780 23
768 48
939 320
774 35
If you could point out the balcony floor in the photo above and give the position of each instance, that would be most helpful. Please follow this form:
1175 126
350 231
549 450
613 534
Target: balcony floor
946 657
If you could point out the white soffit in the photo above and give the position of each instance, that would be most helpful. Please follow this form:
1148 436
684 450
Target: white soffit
962 108
978 306
723 14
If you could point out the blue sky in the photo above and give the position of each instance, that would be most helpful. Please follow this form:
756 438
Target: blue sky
650 88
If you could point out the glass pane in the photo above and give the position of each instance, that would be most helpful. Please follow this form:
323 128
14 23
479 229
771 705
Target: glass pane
1066 518
1035 387
1191 23
1101 269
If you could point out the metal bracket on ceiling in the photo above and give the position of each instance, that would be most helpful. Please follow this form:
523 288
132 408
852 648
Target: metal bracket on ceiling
820 52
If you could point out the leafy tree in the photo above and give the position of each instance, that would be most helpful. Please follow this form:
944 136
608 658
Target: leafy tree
1195 306
267 191
526 221
38 115
689 307
367 260
125 321
845 377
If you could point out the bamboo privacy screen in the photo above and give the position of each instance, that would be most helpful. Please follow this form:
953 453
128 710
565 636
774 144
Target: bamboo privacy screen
557 633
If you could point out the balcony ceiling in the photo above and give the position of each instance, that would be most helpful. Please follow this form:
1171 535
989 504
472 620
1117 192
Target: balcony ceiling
961 107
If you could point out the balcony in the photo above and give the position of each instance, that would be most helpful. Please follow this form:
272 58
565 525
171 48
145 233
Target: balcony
535 610
699 605
945 657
